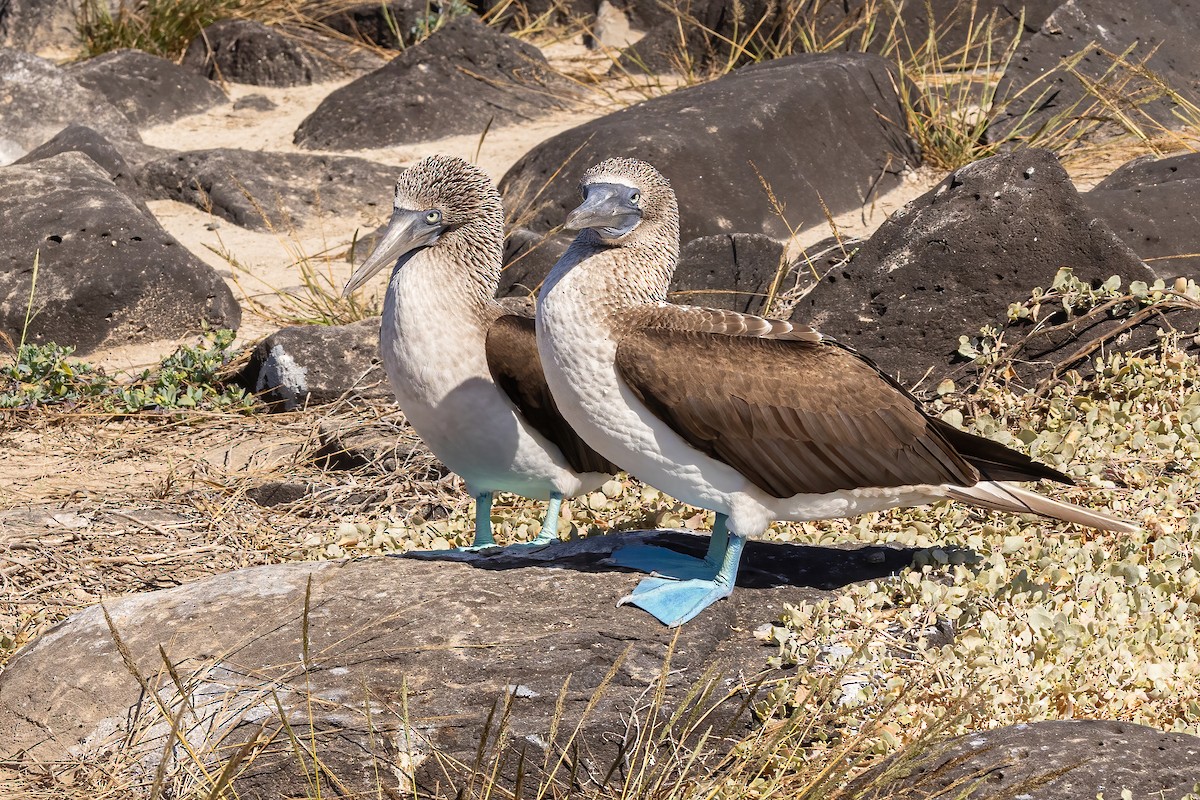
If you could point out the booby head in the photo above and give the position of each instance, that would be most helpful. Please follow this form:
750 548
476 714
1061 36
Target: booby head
439 201
625 201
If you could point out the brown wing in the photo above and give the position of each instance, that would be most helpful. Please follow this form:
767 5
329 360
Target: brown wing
791 414
513 360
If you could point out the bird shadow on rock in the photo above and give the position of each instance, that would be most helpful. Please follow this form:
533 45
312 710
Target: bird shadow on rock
764 565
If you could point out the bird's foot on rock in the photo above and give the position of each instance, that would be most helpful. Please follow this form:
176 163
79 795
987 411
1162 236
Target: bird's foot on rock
663 561
675 602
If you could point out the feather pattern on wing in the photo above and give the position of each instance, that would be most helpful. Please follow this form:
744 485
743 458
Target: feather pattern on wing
516 367
793 412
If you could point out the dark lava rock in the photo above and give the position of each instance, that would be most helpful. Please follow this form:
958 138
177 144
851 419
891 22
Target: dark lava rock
711 25
35 24
822 130
147 89
1056 760
244 51
952 260
277 493
81 139
457 81
1035 90
393 25
254 102
1154 205
109 275
314 364
37 100
389 663
244 186
732 271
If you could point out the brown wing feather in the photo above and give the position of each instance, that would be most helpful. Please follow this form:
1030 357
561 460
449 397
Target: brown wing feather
790 413
513 360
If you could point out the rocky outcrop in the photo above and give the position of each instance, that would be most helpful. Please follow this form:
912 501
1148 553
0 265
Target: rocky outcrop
264 190
38 99
459 80
1036 92
1055 760
822 131
82 139
952 260
108 274
309 365
245 51
1154 205
391 667
147 89
36 24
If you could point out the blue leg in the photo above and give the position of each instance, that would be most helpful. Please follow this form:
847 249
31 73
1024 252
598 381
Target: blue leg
549 531
675 602
668 563
483 523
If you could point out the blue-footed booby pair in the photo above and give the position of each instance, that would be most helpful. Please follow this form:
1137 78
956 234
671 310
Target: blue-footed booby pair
465 371
752 418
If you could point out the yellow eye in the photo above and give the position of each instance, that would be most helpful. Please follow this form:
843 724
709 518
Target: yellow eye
433 217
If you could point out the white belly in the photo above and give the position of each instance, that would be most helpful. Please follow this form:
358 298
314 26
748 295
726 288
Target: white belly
580 367
437 365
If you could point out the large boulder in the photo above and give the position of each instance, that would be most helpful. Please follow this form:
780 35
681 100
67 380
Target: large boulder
734 271
1154 205
147 89
825 132
108 274
245 51
1036 92
38 99
1054 760
459 80
953 260
305 365
82 139
37 24
391 666
393 24
263 190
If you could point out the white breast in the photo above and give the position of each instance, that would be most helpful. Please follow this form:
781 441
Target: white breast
580 363
434 352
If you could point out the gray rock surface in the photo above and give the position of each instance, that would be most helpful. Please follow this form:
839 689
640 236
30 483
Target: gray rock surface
1035 90
109 275
82 139
38 99
426 645
35 24
348 444
1055 760
315 364
1154 205
263 190
147 89
953 259
818 128
245 51
456 81
732 271
393 24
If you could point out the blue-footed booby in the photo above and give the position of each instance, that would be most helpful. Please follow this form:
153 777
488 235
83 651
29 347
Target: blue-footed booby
465 371
752 418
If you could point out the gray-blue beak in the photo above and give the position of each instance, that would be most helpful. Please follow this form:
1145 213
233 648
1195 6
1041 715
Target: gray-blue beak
609 208
406 231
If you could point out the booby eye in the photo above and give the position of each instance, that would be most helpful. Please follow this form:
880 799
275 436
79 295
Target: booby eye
635 198
433 217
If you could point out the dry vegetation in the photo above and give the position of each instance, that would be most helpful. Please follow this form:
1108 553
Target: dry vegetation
1049 622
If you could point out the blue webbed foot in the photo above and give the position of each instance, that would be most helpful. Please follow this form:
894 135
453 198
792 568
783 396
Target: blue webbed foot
483 524
675 602
671 564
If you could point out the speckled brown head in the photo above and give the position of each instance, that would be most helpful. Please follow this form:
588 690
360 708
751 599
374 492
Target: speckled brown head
445 203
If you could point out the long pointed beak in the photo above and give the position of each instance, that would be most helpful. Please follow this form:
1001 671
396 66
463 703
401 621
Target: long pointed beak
406 231
604 207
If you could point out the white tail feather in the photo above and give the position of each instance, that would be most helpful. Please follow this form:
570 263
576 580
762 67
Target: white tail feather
1004 496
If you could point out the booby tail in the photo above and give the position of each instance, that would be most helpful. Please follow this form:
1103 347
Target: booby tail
1002 496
